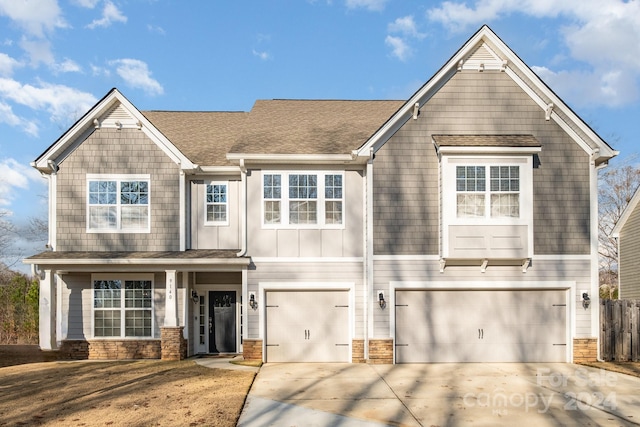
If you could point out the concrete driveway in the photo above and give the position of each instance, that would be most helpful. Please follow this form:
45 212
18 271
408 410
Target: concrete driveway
513 394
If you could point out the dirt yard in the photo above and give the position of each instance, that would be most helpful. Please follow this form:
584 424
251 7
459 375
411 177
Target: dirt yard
34 390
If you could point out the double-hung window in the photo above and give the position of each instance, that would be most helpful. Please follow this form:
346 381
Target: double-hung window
216 203
122 307
118 203
492 195
303 199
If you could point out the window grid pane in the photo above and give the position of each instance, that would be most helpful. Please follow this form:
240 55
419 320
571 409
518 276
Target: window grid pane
272 212
303 212
216 200
118 204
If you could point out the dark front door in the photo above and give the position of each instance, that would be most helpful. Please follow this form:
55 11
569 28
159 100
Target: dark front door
222 321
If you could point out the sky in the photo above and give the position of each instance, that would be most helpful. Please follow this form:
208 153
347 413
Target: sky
59 57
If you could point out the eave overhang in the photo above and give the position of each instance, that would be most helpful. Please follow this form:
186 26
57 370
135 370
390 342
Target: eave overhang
294 159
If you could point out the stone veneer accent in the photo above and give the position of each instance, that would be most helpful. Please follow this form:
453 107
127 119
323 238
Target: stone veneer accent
381 351
74 349
252 349
357 351
585 350
174 346
109 349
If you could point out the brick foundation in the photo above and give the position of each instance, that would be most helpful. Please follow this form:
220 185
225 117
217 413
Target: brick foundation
585 350
174 346
74 350
252 349
124 349
381 351
357 351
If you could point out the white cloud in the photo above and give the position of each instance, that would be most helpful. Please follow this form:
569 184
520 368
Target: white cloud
67 66
110 14
8 117
14 177
399 48
39 51
137 75
63 104
605 34
406 26
7 64
35 17
89 4
262 55
155 29
373 5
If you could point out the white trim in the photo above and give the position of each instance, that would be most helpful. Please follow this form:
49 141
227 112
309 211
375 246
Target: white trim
53 211
292 158
406 257
224 223
182 214
516 151
299 260
320 200
264 287
368 251
626 213
140 261
594 292
119 178
123 277
562 257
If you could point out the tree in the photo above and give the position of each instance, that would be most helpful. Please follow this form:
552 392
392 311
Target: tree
617 185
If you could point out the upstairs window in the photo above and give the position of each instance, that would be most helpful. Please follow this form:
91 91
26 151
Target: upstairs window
496 195
118 204
309 199
216 204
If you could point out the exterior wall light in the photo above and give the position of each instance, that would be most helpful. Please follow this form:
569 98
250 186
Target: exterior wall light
586 301
381 300
252 301
194 296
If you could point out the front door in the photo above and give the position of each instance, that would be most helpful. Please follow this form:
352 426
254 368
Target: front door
222 321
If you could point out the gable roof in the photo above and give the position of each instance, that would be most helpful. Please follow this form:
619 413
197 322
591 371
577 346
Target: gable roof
485 51
626 213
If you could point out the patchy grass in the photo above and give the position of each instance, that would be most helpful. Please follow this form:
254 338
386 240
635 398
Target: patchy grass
628 368
149 393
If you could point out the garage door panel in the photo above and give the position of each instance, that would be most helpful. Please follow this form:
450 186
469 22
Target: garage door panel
477 326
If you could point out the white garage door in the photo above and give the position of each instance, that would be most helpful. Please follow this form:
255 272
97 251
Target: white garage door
307 326
481 326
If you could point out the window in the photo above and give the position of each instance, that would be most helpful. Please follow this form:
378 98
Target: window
308 199
216 204
501 188
118 204
122 308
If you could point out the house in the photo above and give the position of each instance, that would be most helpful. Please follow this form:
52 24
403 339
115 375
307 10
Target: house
459 225
627 234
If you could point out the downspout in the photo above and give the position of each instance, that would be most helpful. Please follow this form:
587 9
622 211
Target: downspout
53 182
243 210
368 254
595 281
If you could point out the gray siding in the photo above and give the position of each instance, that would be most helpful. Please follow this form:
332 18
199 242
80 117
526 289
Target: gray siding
110 151
629 247
429 271
215 236
406 193
284 273
307 242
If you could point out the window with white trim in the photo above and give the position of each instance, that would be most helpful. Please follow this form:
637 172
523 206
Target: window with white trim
122 307
303 199
216 203
118 204
493 195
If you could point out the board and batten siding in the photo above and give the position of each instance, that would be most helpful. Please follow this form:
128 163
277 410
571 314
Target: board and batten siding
288 275
629 257
406 169
303 242
77 300
215 236
387 271
111 151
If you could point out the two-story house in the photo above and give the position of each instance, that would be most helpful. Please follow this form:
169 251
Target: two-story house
457 225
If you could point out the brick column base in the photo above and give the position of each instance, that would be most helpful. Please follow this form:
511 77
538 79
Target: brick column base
174 346
252 349
381 351
585 350
357 351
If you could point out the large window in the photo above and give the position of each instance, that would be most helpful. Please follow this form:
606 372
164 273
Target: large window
305 199
496 195
122 308
118 204
216 204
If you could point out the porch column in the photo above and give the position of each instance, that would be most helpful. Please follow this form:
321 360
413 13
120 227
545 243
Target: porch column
171 300
47 312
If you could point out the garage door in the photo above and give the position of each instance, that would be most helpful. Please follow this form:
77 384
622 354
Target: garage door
481 326
307 326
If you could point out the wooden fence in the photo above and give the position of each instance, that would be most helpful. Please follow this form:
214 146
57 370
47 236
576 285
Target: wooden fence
620 330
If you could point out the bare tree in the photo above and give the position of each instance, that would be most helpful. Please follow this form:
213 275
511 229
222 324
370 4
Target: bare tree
617 185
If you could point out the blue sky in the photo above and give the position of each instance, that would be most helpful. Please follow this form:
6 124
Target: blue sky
57 58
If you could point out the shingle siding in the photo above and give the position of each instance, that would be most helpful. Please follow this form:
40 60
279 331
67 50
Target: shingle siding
110 151
630 257
406 193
